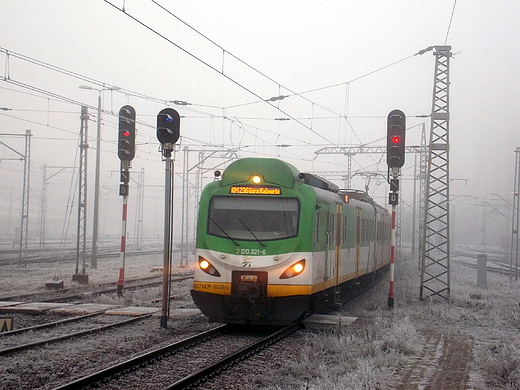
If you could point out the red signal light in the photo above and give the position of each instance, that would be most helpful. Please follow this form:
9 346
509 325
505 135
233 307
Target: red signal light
126 133
396 139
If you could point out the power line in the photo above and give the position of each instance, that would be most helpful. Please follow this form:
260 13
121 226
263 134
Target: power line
57 97
359 77
216 70
451 19
38 123
293 93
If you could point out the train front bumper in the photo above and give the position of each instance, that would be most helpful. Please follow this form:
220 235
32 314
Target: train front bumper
239 310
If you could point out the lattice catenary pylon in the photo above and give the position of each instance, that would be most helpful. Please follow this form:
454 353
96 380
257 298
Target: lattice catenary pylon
435 259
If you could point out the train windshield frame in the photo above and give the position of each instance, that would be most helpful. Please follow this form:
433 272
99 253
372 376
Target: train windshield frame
253 218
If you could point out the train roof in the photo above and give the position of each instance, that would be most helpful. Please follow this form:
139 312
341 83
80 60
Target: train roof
281 173
272 170
316 181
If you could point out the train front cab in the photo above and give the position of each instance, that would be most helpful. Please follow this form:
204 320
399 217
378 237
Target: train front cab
262 278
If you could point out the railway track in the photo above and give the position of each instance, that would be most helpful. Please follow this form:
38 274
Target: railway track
499 268
197 358
87 292
34 256
66 330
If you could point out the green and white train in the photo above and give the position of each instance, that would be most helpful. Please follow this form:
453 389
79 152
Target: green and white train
274 244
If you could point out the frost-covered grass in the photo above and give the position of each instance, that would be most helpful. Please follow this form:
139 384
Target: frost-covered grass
371 353
32 278
500 361
364 356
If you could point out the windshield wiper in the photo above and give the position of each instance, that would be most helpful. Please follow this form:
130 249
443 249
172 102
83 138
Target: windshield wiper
250 231
223 231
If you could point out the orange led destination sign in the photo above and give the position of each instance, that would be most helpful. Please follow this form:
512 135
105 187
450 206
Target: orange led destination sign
255 190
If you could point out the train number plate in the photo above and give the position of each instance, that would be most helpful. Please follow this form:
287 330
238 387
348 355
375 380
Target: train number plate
249 278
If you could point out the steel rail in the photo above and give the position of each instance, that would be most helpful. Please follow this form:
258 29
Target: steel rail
201 376
70 336
143 359
50 324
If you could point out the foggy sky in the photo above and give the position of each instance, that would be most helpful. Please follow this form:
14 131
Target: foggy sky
300 46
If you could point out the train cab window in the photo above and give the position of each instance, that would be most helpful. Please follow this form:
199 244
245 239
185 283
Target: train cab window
253 218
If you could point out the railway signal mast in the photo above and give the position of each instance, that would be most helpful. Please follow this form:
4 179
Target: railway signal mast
126 153
168 132
395 154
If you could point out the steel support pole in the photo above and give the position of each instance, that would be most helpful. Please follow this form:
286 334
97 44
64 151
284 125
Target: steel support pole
185 209
394 197
414 204
392 259
168 233
122 253
43 207
82 193
515 218
95 221
24 222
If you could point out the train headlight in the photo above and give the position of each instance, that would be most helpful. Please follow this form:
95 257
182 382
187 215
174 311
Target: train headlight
207 267
294 270
256 179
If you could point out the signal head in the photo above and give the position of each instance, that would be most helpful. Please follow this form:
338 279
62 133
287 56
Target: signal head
126 140
395 140
168 129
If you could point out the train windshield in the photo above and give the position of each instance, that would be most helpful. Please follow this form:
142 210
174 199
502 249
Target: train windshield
253 218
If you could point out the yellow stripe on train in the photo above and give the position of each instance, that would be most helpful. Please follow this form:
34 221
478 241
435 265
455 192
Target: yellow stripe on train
276 290
286 290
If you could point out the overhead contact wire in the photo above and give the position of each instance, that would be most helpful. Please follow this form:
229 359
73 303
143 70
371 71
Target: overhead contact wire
216 70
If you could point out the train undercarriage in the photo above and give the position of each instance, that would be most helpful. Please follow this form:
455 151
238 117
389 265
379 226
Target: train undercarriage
249 304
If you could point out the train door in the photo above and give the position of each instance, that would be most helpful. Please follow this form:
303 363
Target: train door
338 242
358 239
329 245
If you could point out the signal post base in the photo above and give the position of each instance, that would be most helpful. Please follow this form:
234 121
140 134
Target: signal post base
80 278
